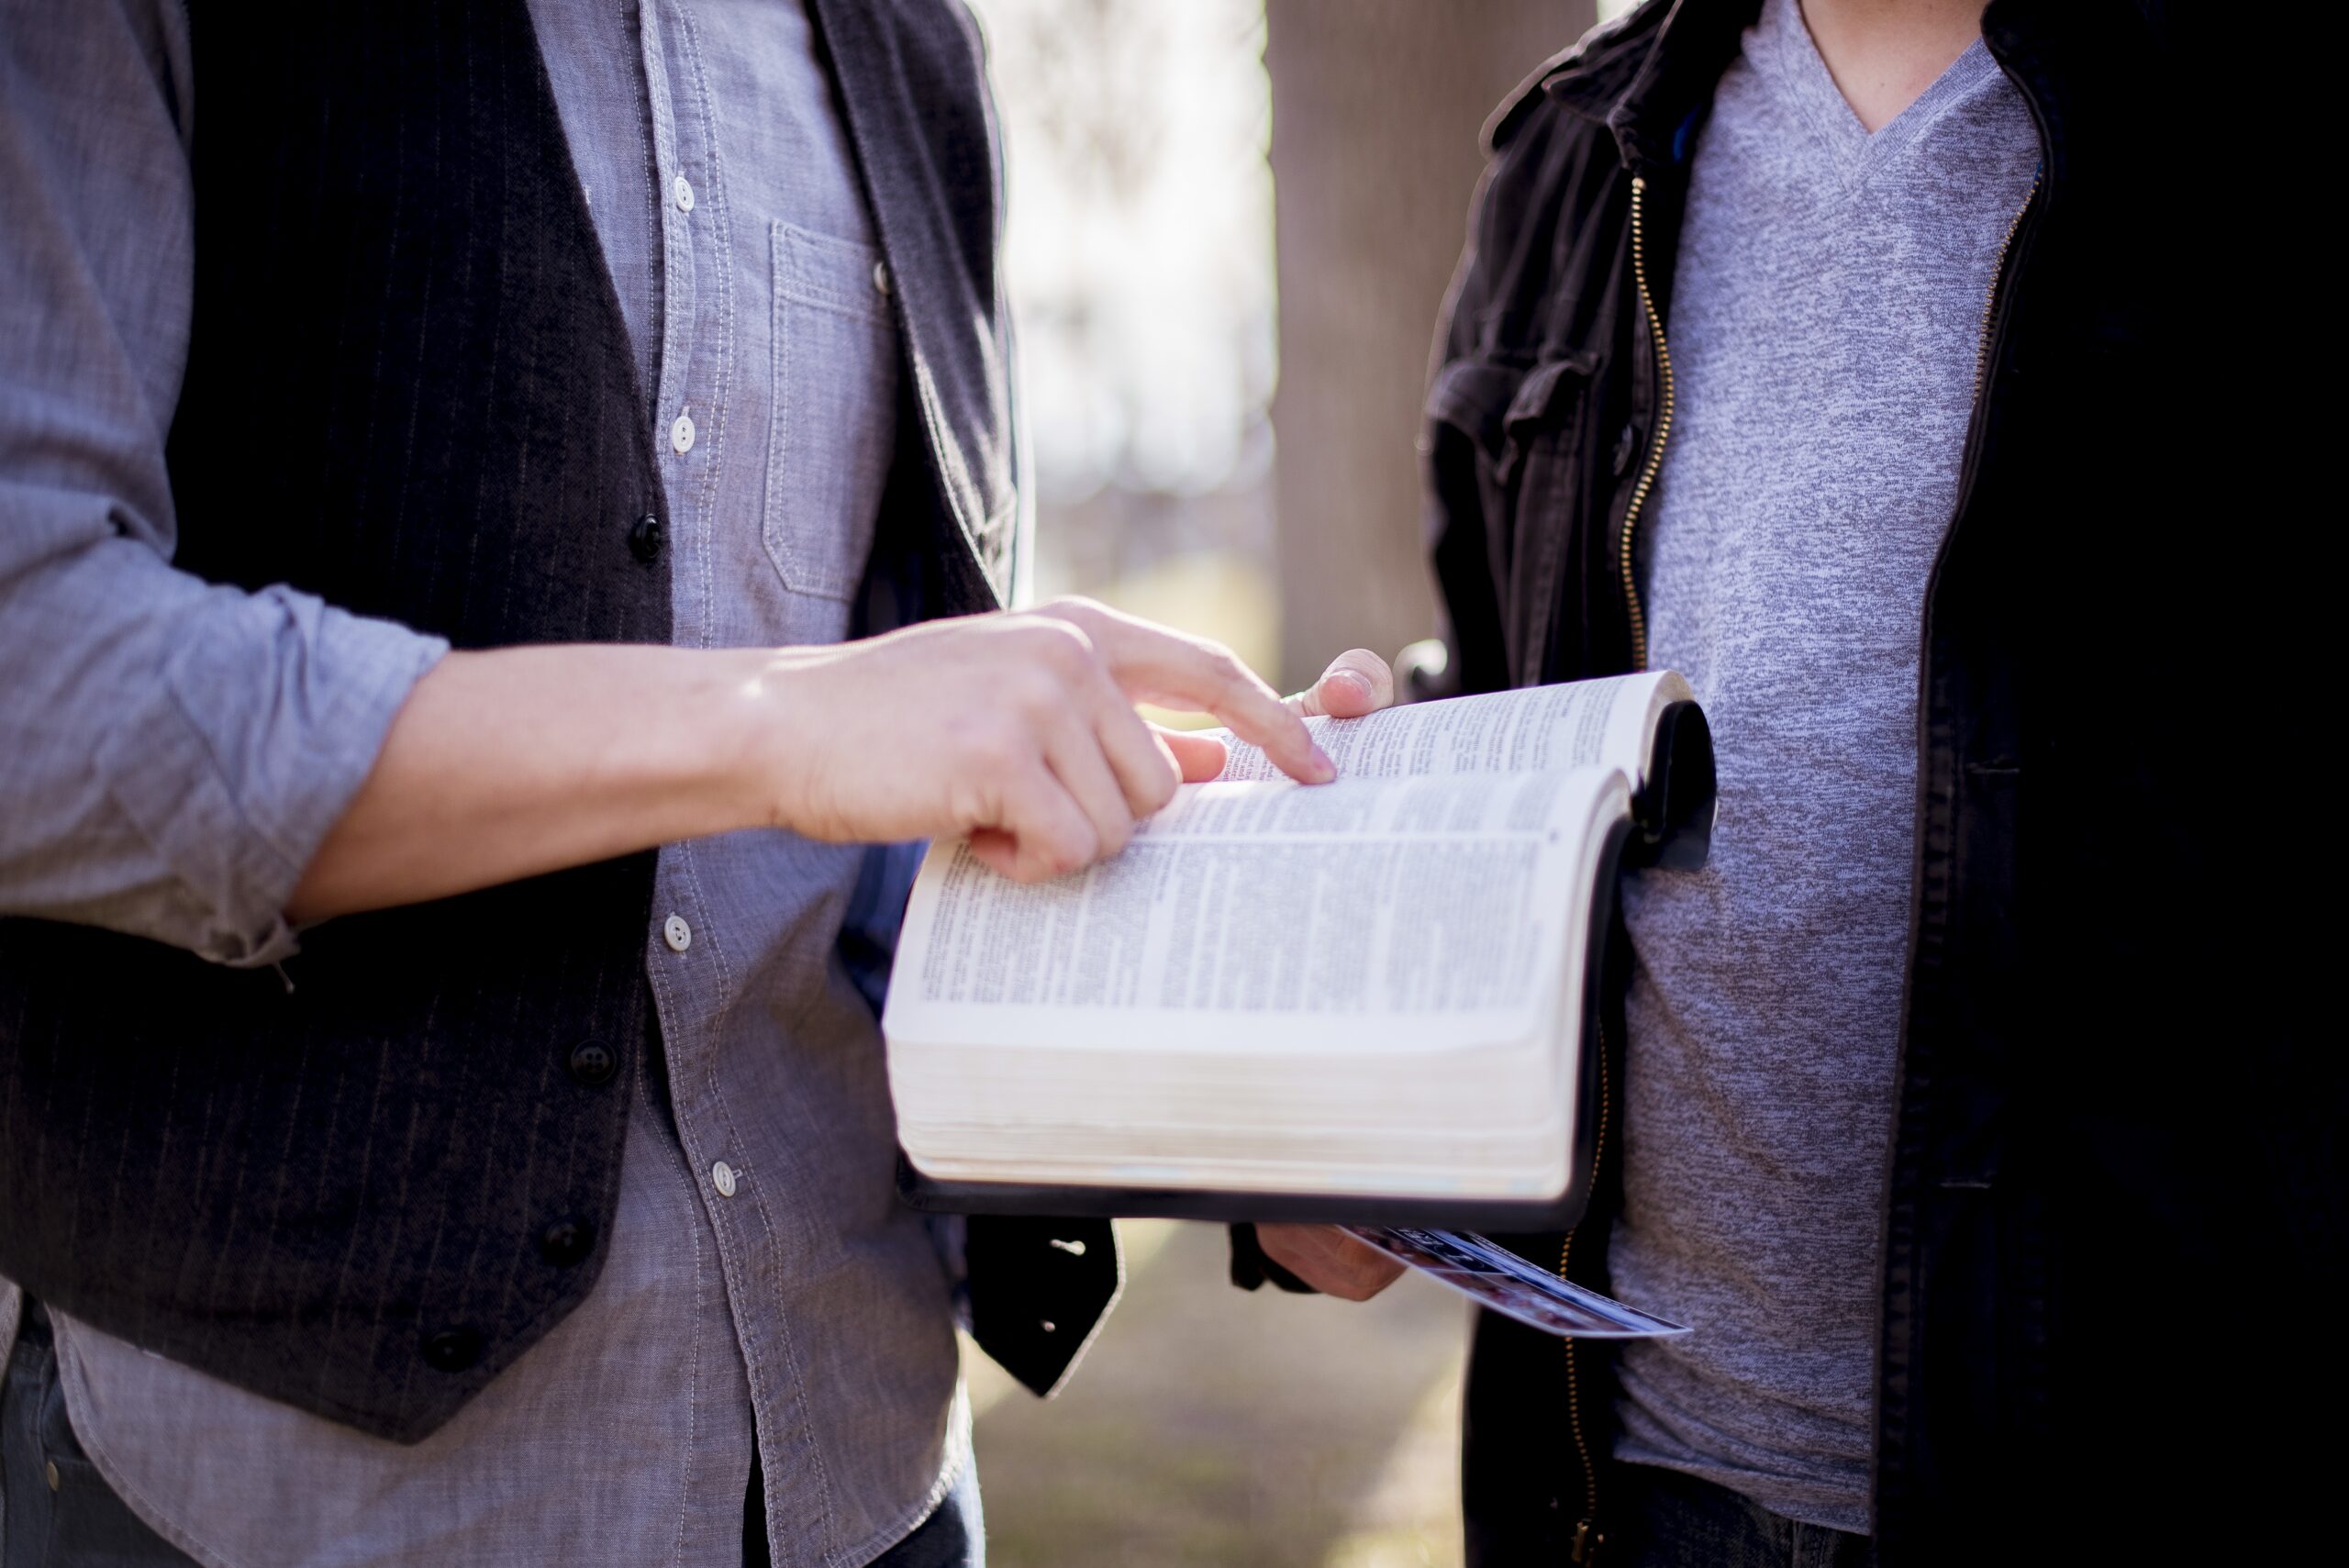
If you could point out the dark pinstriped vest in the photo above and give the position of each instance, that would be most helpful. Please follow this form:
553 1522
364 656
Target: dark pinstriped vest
410 392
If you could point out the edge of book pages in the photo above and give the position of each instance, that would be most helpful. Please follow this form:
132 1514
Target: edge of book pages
935 1196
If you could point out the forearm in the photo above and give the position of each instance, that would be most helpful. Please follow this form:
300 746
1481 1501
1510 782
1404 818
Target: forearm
513 763
1018 731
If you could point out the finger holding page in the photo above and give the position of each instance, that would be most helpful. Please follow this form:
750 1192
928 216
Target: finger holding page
1330 1259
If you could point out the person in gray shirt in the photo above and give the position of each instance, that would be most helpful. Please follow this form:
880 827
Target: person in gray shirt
1827 303
1825 350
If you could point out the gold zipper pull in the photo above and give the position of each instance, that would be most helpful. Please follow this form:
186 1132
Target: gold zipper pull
1584 1553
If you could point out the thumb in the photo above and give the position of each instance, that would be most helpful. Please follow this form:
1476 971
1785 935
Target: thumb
1357 682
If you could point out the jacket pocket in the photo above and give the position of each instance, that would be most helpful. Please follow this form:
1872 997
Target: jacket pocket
1471 400
1546 400
832 424
1542 440
1504 436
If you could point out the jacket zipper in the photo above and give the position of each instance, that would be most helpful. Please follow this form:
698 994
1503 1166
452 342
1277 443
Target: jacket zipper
1989 295
1648 471
1583 1549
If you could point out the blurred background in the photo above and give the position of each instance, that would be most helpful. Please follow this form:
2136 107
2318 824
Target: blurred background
1231 227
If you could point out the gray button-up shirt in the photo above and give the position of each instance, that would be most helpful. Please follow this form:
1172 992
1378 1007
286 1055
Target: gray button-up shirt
171 753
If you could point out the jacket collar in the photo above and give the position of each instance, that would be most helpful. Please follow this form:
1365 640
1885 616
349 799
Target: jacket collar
1648 75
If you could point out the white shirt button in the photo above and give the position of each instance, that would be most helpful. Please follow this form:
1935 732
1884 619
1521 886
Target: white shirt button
880 277
677 933
721 1177
684 191
681 434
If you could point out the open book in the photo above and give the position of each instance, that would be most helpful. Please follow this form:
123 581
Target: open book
1366 1000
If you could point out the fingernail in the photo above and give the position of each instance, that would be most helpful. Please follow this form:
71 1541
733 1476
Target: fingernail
1353 678
1328 769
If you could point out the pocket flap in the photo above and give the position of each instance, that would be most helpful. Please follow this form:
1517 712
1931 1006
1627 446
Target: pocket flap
1473 395
1489 400
838 275
1545 387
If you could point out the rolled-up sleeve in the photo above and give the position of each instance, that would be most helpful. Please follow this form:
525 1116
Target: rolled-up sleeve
171 751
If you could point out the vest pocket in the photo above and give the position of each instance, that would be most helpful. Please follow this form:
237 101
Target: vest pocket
832 416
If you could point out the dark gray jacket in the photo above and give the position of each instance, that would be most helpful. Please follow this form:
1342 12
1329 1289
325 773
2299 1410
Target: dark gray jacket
2115 1144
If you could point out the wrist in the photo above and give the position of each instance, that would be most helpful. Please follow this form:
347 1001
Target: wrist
761 705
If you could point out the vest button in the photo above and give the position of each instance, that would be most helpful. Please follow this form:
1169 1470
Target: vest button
646 536
592 1063
567 1243
452 1349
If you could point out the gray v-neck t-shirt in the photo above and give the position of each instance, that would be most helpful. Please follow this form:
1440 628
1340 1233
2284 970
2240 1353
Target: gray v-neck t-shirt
1826 314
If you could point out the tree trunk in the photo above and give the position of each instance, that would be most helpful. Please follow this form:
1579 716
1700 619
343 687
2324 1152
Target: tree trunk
1376 106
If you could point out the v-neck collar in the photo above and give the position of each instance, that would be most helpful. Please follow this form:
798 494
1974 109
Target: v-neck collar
1781 47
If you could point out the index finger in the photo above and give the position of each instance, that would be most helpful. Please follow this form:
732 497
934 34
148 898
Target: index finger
1151 664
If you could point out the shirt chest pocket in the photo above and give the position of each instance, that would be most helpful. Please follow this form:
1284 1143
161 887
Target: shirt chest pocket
833 419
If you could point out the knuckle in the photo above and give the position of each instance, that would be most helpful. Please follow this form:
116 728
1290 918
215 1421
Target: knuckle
1062 647
1228 668
1078 847
1039 692
996 749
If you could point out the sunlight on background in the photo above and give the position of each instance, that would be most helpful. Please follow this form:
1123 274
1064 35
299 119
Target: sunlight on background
1208 1426
1140 251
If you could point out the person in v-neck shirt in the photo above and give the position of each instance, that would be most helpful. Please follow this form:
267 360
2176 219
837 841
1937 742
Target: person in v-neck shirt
1826 308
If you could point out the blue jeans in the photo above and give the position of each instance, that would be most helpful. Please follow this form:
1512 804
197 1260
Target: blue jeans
954 1537
56 1511
1665 1520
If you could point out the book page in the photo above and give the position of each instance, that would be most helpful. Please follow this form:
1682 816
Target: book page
1397 911
1605 723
